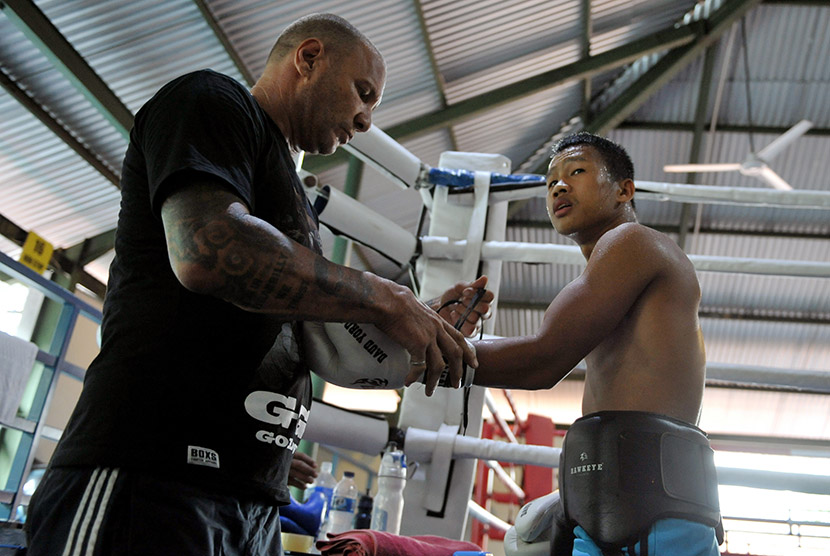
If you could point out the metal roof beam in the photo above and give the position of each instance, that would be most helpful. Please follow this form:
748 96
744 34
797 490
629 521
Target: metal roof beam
721 128
12 231
220 34
55 127
669 66
820 3
661 40
585 52
433 64
36 26
697 140
60 260
636 94
91 248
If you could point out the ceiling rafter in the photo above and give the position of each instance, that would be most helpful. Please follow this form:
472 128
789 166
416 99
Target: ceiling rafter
61 260
36 26
641 89
669 66
433 64
723 128
661 40
23 98
460 111
220 34
585 51
697 140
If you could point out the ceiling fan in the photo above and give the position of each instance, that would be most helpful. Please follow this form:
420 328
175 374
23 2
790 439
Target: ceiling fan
755 164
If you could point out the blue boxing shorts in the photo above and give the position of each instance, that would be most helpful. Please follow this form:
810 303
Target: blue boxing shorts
667 537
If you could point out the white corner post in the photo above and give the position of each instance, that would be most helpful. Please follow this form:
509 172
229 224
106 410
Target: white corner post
436 497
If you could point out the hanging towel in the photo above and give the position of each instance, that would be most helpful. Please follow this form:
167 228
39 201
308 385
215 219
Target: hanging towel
16 359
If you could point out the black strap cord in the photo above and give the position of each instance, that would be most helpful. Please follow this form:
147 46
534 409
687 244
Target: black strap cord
459 323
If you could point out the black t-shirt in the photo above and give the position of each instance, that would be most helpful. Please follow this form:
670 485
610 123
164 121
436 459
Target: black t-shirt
189 385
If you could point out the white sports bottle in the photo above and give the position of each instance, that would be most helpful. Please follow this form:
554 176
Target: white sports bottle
388 506
343 504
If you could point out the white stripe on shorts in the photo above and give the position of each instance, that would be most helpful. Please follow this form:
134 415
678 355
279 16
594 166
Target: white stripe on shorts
90 512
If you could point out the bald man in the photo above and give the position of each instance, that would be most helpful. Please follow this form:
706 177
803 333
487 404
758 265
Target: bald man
181 442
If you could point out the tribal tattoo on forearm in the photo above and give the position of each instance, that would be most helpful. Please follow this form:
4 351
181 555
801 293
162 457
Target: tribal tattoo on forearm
334 281
248 262
242 275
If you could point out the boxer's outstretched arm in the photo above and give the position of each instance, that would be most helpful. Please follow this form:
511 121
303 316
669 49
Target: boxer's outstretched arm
584 313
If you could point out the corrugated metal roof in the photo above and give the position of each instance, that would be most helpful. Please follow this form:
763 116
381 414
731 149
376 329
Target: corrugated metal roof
786 47
783 345
518 126
67 200
47 187
138 46
618 22
480 46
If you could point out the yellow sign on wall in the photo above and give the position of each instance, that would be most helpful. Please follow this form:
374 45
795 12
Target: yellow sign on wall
36 252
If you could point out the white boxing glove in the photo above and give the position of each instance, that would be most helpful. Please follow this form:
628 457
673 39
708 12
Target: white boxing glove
531 534
358 355
514 546
354 355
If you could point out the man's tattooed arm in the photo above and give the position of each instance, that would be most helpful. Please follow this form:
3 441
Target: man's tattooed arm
216 247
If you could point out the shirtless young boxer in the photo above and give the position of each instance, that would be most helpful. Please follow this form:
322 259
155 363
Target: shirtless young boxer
632 316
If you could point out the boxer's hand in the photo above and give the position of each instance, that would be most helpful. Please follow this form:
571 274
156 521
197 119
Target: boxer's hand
434 346
463 293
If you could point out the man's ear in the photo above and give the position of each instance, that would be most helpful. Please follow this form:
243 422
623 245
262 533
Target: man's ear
306 55
625 190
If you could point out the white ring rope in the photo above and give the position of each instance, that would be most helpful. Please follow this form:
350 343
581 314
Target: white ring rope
420 445
706 194
516 251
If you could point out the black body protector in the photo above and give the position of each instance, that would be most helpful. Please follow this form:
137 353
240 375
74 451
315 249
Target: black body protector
621 471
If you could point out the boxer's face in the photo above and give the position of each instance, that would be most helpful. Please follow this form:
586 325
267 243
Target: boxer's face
580 189
338 99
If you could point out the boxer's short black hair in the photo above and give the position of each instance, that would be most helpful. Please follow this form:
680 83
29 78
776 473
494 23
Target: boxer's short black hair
616 158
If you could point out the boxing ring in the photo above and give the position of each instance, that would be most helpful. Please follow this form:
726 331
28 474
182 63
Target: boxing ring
467 197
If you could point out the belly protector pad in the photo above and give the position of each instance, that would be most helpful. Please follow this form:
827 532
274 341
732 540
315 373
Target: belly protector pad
621 471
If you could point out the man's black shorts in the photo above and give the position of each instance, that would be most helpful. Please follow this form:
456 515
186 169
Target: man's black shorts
107 512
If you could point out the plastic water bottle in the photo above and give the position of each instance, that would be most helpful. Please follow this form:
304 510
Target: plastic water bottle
323 487
343 504
388 504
